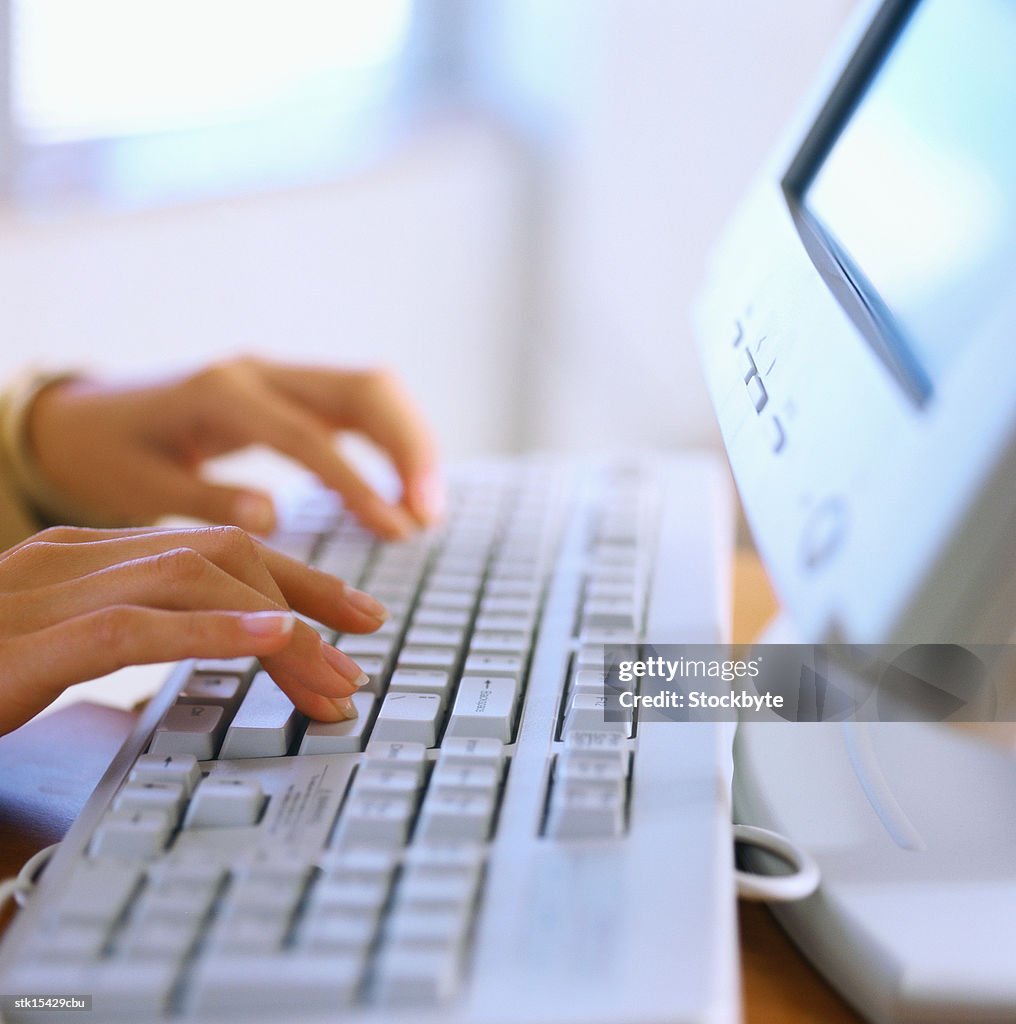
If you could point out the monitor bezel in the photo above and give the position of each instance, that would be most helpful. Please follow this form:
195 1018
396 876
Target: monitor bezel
847 281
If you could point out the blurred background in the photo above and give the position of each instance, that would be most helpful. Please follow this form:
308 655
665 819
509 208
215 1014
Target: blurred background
509 201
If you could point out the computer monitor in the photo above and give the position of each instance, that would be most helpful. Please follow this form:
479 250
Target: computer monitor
857 330
857 333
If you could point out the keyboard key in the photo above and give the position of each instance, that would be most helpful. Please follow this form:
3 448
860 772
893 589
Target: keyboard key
611 613
484 707
340 737
449 854
455 815
165 797
499 604
421 680
448 599
513 588
467 582
447 888
137 992
271 898
587 712
599 742
385 782
69 943
374 821
347 561
412 717
407 975
195 729
505 622
369 645
234 984
376 670
448 618
158 939
581 766
492 641
242 667
336 932
436 927
265 725
590 656
206 688
436 636
511 665
467 750
132 834
178 768
364 864
98 891
351 896
183 900
443 658
397 754
468 777
586 810
219 803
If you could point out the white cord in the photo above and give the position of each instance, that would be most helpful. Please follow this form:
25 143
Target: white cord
802 882
21 887
8 890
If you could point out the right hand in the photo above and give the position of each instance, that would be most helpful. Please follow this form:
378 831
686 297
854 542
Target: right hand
76 604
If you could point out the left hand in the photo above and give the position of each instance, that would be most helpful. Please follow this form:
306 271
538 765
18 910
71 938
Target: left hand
134 453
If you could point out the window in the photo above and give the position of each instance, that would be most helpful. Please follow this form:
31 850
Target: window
147 99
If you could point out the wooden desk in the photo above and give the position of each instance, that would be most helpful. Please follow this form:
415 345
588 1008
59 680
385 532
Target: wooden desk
779 984
48 769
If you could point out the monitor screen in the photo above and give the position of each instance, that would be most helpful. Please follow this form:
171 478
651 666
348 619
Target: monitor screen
915 191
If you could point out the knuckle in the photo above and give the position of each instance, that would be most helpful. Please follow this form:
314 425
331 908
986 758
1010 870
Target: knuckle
380 379
114 631
180 566
223 376
60 534
32 554
232 542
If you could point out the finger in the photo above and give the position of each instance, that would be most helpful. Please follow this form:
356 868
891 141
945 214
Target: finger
175 491
62 554
37 667
273 420
376 404
183 580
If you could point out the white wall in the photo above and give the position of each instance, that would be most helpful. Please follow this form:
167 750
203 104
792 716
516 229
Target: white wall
413 263
651 117
536 299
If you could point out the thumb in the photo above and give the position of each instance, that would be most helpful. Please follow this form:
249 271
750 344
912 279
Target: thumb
238 506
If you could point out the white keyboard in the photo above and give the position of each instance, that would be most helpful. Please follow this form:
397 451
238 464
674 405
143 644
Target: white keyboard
479 844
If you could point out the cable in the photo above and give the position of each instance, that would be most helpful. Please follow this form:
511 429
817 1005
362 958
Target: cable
20 887
802 882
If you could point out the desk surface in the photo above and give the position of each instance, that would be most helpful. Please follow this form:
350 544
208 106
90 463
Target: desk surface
48 769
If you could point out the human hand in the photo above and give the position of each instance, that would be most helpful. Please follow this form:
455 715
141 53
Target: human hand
133 453
76 604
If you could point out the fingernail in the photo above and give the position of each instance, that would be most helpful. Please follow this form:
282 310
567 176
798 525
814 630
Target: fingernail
365 603
431 495
254 512
268 623
342 664
392 522
345 707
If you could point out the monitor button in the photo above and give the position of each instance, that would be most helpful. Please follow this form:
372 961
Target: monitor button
824 532
757 393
